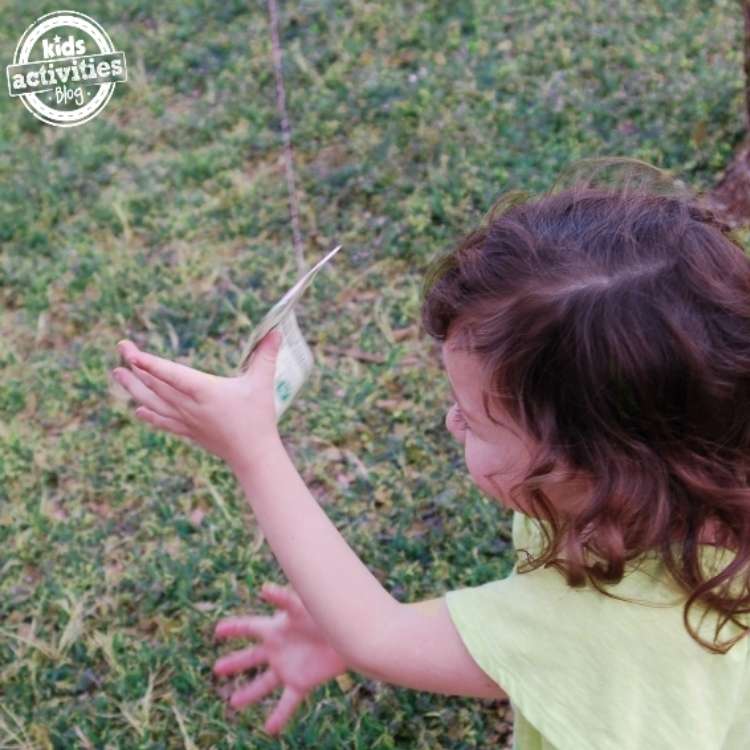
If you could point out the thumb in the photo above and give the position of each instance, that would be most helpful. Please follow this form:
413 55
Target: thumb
264 356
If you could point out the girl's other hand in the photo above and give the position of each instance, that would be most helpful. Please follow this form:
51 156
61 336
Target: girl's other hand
298 656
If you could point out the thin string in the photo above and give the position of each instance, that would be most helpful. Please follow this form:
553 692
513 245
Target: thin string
287 137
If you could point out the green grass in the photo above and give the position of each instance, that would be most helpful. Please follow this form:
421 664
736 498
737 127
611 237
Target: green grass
165 220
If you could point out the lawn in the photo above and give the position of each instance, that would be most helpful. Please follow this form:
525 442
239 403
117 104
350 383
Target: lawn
165 220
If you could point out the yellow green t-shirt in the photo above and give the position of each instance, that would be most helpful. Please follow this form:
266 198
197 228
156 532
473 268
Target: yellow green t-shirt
584 671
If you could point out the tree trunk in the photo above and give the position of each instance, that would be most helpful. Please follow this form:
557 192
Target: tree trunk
730 198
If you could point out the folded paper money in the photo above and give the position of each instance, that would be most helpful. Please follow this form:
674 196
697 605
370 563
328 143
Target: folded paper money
295 360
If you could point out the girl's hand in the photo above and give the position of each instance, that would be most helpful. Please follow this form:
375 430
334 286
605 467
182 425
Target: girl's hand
298 656
231 417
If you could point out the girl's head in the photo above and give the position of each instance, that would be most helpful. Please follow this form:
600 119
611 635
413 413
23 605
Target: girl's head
599 339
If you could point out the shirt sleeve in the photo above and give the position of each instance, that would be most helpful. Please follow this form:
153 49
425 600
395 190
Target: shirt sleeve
594 673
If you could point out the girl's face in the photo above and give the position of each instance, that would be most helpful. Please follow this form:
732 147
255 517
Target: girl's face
496 454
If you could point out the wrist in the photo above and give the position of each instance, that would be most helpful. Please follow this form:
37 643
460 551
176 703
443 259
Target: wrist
247 459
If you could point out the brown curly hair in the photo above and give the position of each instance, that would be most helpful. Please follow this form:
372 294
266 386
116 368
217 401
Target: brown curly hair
611 318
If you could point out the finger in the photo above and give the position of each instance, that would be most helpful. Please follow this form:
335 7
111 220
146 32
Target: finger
240 661
283 711
141 393
162 422
171 396
281 596
182 378
243 626
255 690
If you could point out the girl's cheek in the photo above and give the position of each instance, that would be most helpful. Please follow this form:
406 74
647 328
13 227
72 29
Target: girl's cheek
490 467
475 465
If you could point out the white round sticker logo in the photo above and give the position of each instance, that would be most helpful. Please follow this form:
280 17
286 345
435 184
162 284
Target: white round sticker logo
65 68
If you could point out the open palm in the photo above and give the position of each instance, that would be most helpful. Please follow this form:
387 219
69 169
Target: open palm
298 655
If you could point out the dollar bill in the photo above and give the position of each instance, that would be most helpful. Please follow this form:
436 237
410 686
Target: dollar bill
295 360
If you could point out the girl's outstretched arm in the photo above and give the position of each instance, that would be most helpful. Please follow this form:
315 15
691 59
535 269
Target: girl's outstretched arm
413 646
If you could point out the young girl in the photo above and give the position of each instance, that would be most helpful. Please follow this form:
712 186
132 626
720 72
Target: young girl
597 343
